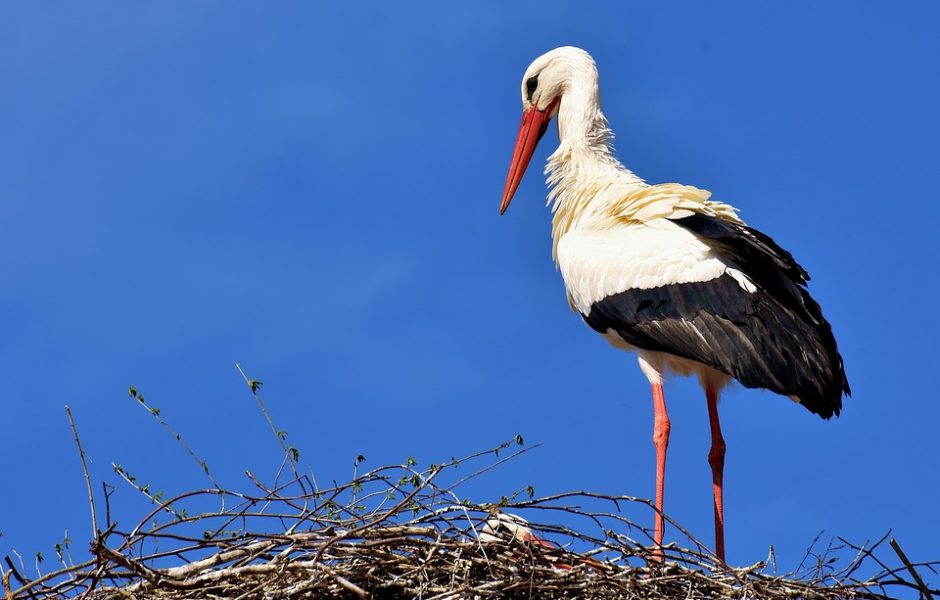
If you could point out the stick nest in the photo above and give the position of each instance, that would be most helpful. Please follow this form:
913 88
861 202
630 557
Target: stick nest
404 532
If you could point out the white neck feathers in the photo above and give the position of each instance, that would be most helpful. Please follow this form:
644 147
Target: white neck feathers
583 173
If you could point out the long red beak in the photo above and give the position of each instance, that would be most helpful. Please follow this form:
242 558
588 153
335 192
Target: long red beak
534 125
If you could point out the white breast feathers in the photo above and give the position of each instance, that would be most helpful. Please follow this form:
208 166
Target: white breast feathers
596 264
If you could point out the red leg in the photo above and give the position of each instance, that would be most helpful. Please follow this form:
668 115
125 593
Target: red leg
716 458
661 441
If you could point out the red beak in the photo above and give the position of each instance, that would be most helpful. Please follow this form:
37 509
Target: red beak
534 125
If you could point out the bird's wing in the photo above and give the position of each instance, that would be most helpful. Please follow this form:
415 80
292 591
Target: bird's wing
596 264
712 291
667 200
771 267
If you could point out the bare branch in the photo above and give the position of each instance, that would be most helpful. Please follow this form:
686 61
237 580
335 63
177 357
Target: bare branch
81 454
907 563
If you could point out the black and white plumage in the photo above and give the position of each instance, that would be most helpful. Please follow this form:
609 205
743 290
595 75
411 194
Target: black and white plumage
760 327
665 271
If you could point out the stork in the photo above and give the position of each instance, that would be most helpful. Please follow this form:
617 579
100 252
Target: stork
665 271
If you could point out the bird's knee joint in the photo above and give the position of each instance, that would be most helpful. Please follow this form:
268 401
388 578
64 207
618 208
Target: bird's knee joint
661 434
716 457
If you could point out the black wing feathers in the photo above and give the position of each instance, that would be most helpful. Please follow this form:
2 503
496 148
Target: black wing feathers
767 264
775 338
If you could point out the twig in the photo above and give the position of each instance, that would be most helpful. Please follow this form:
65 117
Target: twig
155 413
7 589
253 386
12 569
107 500
404 502
167 506
81 454
352 587
907 563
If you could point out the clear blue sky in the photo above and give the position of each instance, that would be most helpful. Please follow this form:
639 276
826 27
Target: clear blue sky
313 191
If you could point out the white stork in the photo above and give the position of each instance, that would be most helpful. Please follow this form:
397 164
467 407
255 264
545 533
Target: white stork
666 272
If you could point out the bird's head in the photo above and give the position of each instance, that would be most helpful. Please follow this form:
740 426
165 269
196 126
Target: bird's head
544 84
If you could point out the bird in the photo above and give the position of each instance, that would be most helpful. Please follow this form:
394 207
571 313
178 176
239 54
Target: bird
512 529
665 271
507 528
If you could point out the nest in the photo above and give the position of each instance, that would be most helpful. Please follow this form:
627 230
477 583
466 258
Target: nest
404 532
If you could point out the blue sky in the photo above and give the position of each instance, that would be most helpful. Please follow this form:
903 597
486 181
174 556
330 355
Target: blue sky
312 190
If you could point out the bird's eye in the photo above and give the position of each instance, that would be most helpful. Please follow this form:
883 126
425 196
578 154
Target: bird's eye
530 85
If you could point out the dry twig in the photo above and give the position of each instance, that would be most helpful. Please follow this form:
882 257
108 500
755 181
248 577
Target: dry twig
81 454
